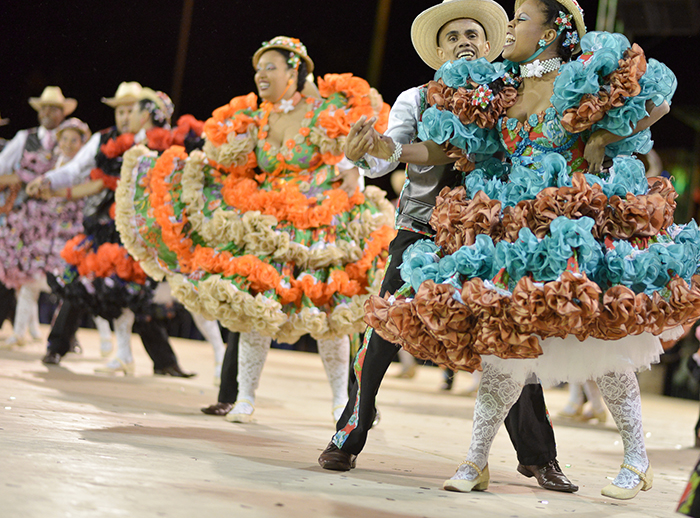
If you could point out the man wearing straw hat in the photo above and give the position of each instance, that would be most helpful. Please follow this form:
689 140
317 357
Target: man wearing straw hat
454 29
28 154
153 334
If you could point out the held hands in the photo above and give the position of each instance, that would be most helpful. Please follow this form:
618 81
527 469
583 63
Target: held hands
40 188
364 139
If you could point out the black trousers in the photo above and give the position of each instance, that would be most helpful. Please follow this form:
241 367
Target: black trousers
228 390
7 303
153 335
527 423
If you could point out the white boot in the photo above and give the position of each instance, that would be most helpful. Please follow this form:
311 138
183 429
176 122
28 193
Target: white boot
211 332
124 360
252 353
335 355
105 332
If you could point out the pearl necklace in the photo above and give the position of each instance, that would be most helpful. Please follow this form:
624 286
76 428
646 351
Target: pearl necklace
538 68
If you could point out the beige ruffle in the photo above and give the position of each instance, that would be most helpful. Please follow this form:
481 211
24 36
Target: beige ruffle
236 148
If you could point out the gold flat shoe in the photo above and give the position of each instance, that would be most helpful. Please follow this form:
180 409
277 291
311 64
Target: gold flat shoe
480 483
620 493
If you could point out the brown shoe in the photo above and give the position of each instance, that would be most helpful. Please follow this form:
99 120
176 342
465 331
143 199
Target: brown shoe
217 409
336 459
549 476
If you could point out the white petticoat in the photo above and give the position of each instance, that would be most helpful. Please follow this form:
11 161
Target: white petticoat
574 361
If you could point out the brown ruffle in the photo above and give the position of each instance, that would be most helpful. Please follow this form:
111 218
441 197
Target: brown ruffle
434 326
458 219
622 83
459 102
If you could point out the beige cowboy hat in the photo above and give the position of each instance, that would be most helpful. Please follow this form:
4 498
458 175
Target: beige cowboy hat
53 96
128 92
427 24
285 43
575 10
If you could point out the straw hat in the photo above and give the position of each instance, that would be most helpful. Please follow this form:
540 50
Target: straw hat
427 24
163 102
285 43
128 92
75 124
574 9
53 96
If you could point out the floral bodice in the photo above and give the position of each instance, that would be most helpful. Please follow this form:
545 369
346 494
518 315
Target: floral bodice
540 134
301 153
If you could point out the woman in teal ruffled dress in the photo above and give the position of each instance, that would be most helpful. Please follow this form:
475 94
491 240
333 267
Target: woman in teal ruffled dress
547 265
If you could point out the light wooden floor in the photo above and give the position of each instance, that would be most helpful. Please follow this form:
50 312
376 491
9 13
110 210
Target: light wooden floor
75 444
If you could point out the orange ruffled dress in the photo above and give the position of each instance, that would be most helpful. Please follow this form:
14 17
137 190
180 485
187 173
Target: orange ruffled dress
260 238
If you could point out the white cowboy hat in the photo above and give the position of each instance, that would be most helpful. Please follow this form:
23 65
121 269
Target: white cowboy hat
575 10
427 24
128 92
53 96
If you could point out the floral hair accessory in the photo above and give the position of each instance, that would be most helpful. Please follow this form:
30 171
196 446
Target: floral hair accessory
563 21
158 104
293 45
571 40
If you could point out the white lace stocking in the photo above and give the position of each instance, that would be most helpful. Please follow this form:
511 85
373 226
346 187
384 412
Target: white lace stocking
27 310
122 331
620 391
594 397
212 334
498 392
252 352
105 333
335 355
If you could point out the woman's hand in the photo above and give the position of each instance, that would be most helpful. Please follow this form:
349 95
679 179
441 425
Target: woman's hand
39 188
594 152
359 140
350 179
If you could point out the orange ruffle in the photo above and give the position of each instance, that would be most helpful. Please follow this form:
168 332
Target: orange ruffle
225 120
109 259
110 182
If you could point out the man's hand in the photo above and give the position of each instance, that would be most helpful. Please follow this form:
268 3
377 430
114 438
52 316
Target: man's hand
40 188
350 179
594 152
8 180
360 139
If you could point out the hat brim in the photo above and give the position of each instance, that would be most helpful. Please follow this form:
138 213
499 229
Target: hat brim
4 122
113 102
575 11
427 24
262 50
69 105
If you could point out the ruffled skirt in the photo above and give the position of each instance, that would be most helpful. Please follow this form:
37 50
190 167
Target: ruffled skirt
101 275
33 237
284 255
573 283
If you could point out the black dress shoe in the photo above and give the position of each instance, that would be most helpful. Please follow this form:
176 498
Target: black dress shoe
175 371
51 359
336 459
217 409
549 476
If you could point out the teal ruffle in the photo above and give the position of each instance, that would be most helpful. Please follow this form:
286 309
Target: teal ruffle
441 126
461 72
643 271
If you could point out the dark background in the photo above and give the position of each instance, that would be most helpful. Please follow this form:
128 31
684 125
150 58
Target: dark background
87 48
